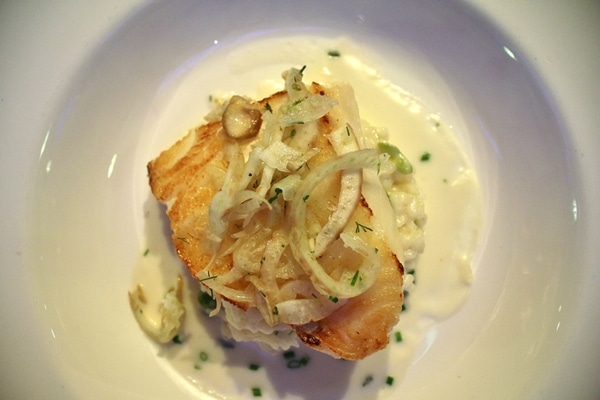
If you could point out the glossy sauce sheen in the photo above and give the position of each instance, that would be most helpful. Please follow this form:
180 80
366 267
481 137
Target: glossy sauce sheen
443 273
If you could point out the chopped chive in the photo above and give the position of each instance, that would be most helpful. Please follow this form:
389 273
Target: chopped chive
208 278
177 340
333 53
367 380
207 301
146 252
425 156
256 392
333 299
293 133
275 311
302 69
289 354
253 367
305 198
389 380
347 130
203 356
398 336
298 363
354 278
268 107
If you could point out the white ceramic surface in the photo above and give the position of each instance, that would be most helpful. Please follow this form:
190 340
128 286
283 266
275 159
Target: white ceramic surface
83 89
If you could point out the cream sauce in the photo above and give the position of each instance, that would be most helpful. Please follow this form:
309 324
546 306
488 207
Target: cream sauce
443 272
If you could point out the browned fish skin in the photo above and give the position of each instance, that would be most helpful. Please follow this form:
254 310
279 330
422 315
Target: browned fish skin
188 175
361 327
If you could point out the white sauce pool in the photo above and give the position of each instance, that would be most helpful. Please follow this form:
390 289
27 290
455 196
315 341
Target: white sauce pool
443 272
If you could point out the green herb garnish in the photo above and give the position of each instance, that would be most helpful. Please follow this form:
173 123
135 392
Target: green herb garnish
268 107
354 278
305 198
289 354
256 392
425 156
389 380
297 363
364 228
278 191
203 356
253 367
207 301
146 252
333 299
208 278
177 340
367 380
398 336
333 53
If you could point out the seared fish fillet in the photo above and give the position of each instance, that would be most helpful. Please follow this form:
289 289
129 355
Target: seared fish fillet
186 178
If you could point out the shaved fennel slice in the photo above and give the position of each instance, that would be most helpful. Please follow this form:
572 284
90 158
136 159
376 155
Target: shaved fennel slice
235 295
223 201
295 88
378 201
300 243
343 141
311 108
303 106
287 186
171 310
279 156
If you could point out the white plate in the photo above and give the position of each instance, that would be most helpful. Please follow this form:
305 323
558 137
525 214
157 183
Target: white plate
80 87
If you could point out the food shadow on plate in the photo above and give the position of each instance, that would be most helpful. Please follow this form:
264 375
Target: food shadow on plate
299 372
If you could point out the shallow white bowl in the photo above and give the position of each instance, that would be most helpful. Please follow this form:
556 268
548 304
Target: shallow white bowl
77 190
